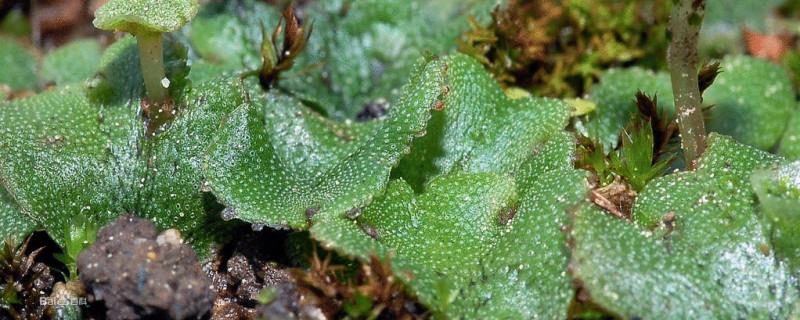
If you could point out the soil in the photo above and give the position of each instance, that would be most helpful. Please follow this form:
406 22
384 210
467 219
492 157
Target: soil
240 271
138 273
133 272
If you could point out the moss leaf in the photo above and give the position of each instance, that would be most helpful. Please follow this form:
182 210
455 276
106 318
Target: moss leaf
696 248
19 66
747 107
456 247
778 191
480 129
64 155
75 61
614 96
145 15
276 159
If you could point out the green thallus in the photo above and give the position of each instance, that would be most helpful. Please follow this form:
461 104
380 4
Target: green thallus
147 20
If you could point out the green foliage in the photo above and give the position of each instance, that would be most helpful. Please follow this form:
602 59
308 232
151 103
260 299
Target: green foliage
592 157
747 107
371 51
119 77
359 308
693 249
76 61
751 13
276 161
790 142
62 155
470 235
466 189
559 48
778 191
19 65
342 68
145 16
634 160
267 295
474 226
472 134
102 162
52 154
15 23
644 152
147 19
118 74
13 224
228 36
80 234
614 96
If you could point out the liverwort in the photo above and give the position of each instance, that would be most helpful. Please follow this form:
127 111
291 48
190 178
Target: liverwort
147 20
778 190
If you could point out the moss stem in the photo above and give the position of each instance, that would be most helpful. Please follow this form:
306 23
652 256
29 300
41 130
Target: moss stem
151 59
684 24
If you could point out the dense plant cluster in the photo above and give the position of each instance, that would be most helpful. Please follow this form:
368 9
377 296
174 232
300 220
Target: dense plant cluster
411 137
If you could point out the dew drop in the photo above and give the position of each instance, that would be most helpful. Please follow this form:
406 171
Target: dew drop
228 214
353 213
279 226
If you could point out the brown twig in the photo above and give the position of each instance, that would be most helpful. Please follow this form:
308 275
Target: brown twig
684 25
277 58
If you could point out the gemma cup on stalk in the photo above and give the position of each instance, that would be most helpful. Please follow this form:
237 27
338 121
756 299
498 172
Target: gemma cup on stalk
147 20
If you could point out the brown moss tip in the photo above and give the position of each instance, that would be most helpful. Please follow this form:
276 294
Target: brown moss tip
374 291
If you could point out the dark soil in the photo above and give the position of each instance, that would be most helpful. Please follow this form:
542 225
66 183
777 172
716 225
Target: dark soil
244 268
133 272
140 274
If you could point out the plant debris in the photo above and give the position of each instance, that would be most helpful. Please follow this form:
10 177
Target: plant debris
665 128
241 271
23 281
373 292
617 198
277 58
559 48
707 74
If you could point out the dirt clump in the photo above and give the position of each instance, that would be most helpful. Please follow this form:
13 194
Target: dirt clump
141 274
